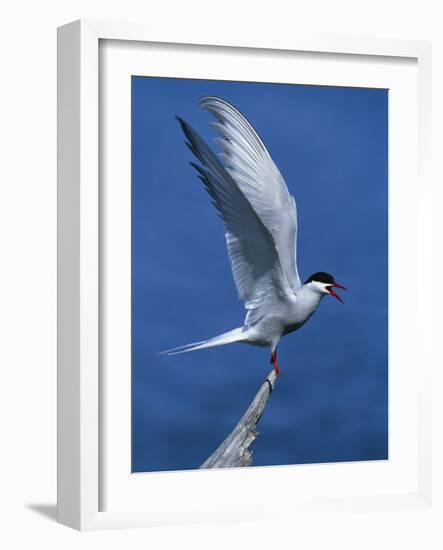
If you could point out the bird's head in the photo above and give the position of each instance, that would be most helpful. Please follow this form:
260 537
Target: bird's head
323 283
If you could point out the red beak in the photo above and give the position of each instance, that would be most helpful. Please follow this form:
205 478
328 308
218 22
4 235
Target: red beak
333 293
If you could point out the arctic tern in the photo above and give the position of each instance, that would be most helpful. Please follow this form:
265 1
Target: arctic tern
260 218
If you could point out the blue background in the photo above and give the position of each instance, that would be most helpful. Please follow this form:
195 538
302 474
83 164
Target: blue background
331 404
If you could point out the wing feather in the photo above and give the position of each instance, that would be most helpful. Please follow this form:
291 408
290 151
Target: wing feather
255 262
250 165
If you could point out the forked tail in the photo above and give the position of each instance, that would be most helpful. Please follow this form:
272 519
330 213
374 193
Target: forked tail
235 335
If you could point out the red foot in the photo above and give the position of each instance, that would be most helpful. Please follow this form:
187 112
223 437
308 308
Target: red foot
274 363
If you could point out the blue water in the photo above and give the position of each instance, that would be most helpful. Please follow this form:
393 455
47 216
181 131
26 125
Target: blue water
331 404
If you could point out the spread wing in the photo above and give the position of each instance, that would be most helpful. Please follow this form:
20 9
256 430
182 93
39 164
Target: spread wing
255 262
251 167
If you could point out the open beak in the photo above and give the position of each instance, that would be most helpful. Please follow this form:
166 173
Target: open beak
332 292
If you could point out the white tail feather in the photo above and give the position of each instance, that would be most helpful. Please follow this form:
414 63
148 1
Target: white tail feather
235 335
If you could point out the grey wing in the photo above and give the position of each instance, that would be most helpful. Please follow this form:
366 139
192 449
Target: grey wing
250 165
255 263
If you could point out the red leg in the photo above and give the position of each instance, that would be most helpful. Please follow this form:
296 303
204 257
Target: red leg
275 363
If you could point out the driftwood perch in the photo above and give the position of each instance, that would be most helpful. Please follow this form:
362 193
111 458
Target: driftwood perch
234 451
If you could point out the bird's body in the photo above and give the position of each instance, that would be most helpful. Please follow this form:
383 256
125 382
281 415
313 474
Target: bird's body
283 318
260 218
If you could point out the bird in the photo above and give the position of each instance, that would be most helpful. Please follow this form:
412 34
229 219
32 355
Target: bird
260 220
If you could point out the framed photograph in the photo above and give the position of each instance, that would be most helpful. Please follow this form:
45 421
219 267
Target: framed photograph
239 225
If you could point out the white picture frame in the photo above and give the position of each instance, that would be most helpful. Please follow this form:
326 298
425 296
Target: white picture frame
81 412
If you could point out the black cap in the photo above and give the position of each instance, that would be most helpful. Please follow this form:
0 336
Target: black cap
321 277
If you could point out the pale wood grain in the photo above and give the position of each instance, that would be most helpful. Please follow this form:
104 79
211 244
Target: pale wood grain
235 449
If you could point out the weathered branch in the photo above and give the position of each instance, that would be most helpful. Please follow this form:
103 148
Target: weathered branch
234 451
